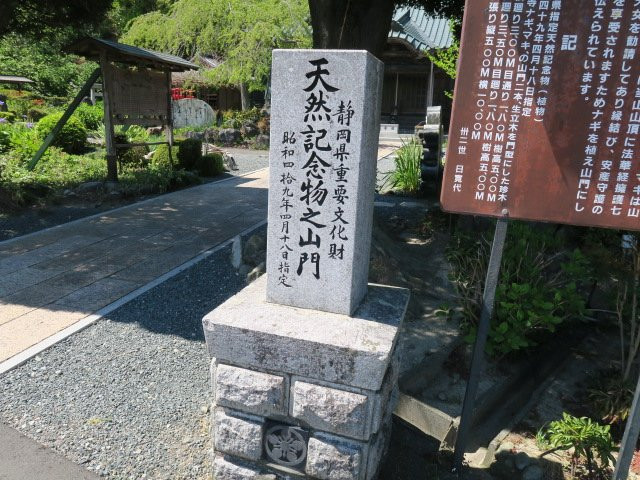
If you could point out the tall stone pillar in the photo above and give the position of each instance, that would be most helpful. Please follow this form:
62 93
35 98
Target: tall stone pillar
304 369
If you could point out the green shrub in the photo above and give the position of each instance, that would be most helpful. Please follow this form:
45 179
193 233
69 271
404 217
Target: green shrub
539 289
407 175
210 165
71 138
9 117
5 138
130 156
36 113
589 441
189 152
161 158
91 116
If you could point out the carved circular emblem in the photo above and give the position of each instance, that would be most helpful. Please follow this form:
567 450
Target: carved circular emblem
285 445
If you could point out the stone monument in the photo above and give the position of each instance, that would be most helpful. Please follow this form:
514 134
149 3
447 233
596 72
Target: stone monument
192 112
304 365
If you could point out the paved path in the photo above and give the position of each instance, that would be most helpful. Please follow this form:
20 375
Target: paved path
52 279
23 459
56 277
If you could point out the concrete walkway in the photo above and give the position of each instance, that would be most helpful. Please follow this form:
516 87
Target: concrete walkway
51 279
23 459
54 278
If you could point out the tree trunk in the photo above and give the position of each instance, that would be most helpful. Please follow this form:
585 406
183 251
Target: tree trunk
244 96
351 24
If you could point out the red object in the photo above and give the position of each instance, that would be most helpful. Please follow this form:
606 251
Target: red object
180 93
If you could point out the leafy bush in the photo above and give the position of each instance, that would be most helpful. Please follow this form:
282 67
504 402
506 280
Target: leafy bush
611 398
189 152
5 139
131 156
9 117
24 140
161 158
407 176
210 165
539 286
91 116
71 138
589 441
36 113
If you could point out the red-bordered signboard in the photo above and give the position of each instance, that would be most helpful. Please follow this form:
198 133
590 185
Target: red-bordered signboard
546 116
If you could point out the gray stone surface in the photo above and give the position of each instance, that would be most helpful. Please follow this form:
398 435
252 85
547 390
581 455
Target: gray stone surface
225 469
191 112
322 262
334 458
247 390
248 331
331 410
237 435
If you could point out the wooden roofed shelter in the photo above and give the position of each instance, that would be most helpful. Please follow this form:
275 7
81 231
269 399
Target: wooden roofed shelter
136 91
15 80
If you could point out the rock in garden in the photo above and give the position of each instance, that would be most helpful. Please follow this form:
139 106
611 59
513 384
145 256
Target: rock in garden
249 129
255 250
261 141
89 187
155 130
256 272
229 136
211 134
196 135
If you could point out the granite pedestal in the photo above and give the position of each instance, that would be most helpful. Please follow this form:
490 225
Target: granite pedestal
301 393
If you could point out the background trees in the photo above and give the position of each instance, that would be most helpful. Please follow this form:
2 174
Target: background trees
241 33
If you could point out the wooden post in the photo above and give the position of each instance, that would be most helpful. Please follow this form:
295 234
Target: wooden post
65 116
112 164
169 126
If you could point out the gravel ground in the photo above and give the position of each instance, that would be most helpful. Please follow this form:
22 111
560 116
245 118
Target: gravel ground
128 397
38 217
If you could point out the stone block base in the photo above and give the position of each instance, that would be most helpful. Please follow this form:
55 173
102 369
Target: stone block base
301 393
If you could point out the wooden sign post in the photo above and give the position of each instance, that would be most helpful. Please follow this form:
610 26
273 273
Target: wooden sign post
545 125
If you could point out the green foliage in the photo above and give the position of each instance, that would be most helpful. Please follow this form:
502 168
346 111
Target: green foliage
589 441
539 289
8 116
189 152
236 118
243 33
36 113
24 141
54 73
611 398
73 136
91 116
407 175
5 138
447 58
210 165
39 19
161 158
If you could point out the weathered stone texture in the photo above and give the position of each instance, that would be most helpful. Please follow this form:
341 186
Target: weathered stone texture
356 79
331 410
225 469
237 435
247 390
355 351
333 458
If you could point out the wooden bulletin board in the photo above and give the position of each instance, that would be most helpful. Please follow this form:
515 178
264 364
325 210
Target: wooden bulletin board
137 96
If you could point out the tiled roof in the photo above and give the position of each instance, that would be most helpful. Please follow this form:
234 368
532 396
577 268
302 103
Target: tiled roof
90 48
420 30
